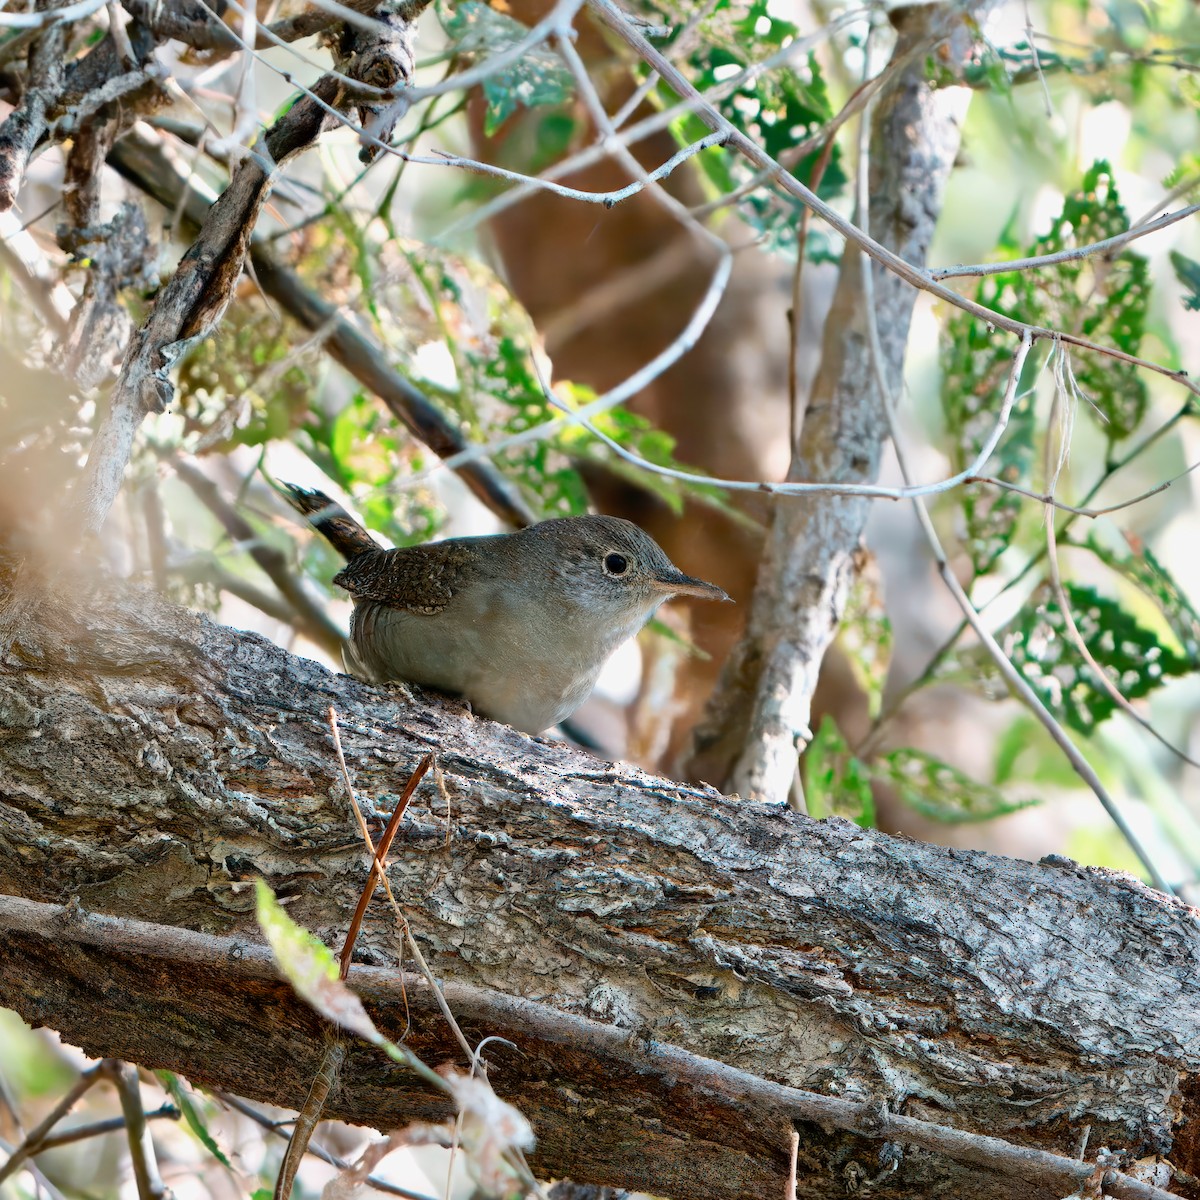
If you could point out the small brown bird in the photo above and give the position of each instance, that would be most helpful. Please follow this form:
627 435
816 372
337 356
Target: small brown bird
518 624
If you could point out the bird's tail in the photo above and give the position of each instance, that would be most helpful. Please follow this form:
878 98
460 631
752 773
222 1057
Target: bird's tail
342 531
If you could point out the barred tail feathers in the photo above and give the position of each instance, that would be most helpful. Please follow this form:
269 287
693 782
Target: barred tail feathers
338 527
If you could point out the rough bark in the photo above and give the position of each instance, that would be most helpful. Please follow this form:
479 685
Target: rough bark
630 935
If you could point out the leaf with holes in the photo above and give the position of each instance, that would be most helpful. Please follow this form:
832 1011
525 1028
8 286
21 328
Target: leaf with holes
1042 649
777 110
941 792
836 784
538 77
976 362
1102 298
1144 571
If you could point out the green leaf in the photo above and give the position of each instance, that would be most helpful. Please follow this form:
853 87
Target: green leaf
836 784
975 369
1131 656
538 77
191 1114
1025 751
778 110
942 792
1187 270
309 966
1144 571
1103 298
866 634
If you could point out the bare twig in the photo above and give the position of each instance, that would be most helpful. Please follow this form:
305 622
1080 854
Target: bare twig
309 616
165 1112
34 1138
317 1151
22 128
1074 254
141 1147
379 852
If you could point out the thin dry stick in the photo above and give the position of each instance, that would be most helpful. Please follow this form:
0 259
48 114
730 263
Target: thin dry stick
334 1053
32 1141
141 1146
378 853
314 1148
379 873
1074 254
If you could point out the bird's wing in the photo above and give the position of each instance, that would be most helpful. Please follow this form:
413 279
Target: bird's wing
419 579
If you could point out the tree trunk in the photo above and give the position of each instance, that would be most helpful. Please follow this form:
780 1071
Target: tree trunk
671 963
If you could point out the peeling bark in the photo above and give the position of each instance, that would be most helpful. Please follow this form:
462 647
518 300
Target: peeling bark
624 931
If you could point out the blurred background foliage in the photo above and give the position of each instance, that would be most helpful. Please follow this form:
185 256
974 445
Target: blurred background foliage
1094 131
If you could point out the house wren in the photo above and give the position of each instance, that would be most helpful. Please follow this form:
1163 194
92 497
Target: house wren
518 624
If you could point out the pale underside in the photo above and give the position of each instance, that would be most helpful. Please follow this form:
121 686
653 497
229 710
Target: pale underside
530 664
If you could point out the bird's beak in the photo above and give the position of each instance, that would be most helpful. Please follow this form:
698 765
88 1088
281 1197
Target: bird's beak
676 583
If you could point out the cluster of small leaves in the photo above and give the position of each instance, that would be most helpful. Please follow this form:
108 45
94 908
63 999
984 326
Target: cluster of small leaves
362 450
537 77
778 109
836 783
1042 648
245 386
1104 299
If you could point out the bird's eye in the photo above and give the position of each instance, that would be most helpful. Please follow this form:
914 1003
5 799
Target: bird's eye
615 564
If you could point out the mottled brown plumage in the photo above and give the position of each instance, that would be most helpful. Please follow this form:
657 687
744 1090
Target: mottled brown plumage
519 624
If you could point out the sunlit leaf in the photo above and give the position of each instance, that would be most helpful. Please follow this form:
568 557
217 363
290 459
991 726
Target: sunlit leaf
942 792
538 77
309 966
1040 646
836 784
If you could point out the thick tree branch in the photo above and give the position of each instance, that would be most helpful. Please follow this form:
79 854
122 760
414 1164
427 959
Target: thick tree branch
617 927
